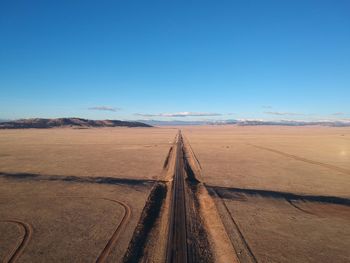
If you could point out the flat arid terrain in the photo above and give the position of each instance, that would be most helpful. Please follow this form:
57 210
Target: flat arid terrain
175 131
205 194
75 195
282 192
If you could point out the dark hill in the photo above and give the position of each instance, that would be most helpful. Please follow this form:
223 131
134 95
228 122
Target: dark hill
67 122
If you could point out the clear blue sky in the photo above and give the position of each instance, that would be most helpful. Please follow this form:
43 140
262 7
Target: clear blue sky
233 59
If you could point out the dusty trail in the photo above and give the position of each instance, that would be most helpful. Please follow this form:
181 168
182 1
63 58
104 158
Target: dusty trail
192 152
18 250
248 251
111 242
102 257
295 157
166 162
298 208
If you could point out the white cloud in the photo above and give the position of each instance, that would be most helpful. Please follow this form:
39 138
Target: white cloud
180 114
279 113
104 108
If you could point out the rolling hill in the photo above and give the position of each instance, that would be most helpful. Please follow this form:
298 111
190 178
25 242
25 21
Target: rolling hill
67 122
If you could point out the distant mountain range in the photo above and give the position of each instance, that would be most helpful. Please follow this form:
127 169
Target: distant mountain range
172 123
285 123
67 122
249 123
85 123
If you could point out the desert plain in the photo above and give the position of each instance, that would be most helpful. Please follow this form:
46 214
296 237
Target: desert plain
77 195
76 190
283 193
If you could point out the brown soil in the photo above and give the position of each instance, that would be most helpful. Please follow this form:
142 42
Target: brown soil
259 194
72 220
101 152
282 192
82 191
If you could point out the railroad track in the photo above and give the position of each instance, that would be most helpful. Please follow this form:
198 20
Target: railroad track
177 236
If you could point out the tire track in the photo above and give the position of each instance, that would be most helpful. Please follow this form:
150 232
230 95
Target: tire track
139 250
127 214
18 250
166 162
192 152
102 257
244 241
299 208
170 153
298 158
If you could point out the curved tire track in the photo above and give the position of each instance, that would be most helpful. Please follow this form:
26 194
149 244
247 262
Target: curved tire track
18 250
127 214
113 239
295 157
291 202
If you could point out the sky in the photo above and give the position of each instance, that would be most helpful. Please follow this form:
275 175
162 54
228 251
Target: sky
183 60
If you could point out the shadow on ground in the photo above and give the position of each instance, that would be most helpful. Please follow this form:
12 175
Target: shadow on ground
240 194
77 179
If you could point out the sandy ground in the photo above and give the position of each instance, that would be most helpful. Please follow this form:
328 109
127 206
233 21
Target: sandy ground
277 231
107 152
69 221
282 192
75 190
312 160
274 188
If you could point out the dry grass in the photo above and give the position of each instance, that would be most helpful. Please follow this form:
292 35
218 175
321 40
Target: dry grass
70 221
278 232
61 183
107 152
230 157
275 183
